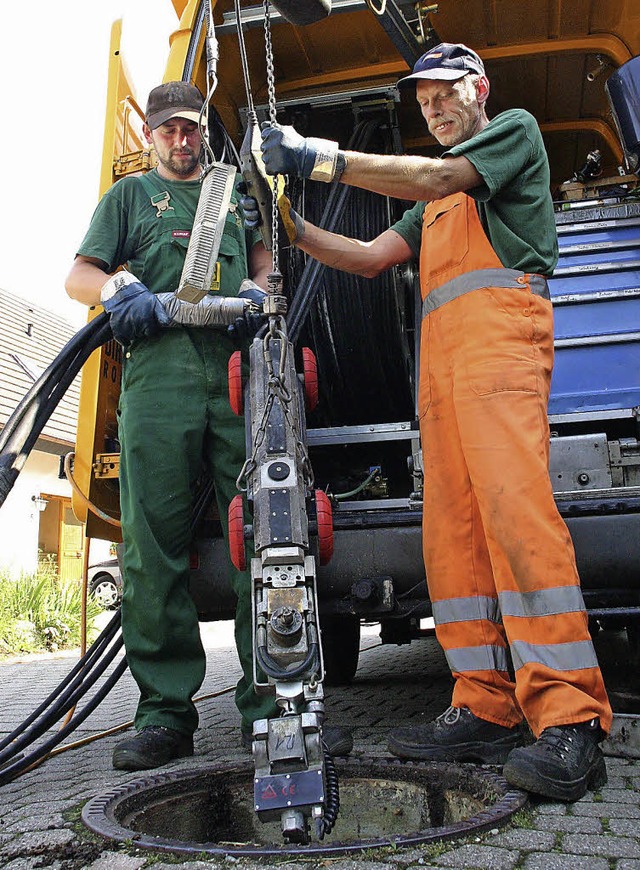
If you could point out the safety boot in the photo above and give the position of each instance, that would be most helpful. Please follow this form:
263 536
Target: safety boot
337 739
456 735
562 764
151 747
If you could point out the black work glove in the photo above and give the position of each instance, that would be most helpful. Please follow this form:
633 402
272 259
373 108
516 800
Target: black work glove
247 326
293 223
249 206
134 311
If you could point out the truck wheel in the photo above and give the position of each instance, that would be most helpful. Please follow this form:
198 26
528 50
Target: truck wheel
340 648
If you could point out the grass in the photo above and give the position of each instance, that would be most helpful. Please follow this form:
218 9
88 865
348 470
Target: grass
39 613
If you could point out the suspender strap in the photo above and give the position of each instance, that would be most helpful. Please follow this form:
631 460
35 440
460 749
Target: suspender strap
507 278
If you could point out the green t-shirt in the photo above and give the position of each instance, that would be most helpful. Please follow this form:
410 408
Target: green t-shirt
152 239
514 202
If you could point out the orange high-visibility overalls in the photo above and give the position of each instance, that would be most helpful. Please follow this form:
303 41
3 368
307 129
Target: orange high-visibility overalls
499 558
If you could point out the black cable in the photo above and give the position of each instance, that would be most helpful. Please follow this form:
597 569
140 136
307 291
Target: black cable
86 337
332 803
272 669
94 650
65 702
9 773
26 423
307 287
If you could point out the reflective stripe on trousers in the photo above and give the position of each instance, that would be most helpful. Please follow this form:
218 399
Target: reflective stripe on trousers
499 559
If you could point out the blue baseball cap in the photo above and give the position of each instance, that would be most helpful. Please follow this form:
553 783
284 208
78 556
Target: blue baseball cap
446 62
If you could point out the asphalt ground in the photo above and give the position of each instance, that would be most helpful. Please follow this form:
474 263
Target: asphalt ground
40 823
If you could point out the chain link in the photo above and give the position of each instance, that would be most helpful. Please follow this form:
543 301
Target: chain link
276 390
271 92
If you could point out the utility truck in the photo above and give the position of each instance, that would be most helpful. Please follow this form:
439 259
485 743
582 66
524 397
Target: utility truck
576 68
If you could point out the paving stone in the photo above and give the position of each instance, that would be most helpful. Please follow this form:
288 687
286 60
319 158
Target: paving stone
628 864
620 795
118 861
540 861
551 809
606 810
570 824
23 864
613 847
525 839
37 841
479 858
624 827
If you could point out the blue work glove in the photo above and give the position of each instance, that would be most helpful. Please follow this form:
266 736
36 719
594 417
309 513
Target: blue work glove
247 326
286 152
291 220
134 311
249 206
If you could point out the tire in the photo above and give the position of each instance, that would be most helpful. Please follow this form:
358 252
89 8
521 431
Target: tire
105 591
340 648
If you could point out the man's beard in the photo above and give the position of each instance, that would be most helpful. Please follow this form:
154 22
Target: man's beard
182 167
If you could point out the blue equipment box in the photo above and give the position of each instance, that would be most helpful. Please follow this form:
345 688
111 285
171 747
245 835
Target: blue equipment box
595 292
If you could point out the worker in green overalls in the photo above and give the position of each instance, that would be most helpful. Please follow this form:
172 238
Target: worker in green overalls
174 417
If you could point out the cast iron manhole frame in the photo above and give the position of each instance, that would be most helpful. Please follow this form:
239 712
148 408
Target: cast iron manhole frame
99 814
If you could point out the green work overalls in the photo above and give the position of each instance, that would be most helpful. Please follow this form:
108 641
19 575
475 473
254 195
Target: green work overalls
174 415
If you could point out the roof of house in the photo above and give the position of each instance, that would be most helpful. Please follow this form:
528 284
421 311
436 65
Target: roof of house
30 339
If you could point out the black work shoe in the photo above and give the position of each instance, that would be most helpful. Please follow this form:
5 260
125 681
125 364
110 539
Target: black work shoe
337 739
456 735
151 747
562 764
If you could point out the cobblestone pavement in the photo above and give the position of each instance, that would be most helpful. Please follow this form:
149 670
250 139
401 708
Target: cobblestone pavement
39 811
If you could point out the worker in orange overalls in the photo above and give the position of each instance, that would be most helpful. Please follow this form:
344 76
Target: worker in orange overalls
499 559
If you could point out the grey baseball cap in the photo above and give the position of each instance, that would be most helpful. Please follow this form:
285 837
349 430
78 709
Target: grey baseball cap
173 100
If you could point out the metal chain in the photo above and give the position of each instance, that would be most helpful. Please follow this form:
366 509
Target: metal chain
276 389
271 92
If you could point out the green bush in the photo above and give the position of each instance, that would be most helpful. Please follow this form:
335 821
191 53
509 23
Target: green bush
39 612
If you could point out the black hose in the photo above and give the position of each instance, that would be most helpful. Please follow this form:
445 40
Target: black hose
85 338
272 669
100 643
66 701
332 215
30 417
19 766
332 803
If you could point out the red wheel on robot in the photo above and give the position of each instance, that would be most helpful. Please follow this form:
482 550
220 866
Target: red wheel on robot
324 516
236 533
310 374
236 399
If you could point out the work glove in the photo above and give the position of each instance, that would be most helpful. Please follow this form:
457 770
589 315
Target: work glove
246 326
293 223
134 311
286 152
249 206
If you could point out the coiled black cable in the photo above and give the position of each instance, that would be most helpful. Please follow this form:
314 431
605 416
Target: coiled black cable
62 703
11 771
84 663
26 423
272 669
332 803
358 328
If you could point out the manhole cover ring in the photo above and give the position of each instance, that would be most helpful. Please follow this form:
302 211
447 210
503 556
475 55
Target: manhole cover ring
102 814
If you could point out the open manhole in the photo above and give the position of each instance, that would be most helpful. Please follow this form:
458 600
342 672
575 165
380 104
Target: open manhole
383 802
